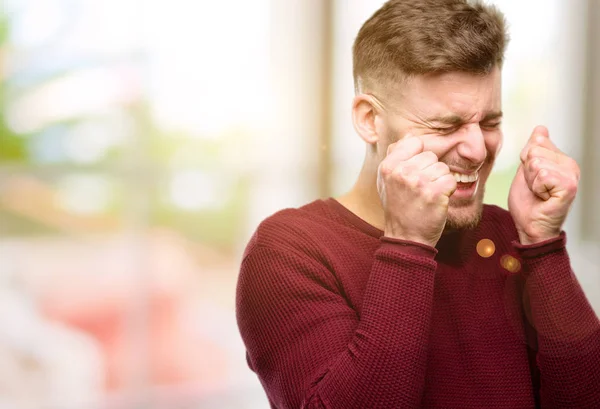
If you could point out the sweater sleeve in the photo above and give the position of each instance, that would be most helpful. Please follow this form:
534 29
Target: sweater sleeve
568 331
311 350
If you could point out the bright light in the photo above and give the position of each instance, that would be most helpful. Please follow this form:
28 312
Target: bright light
209 65
194 190
84 93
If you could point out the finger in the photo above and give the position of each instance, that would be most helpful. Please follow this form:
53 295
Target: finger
546 179
540 152
422 160
446 184
402 151
546 143
568 165
539 137
540 130
531 168
539 134
405 148
552 152
435 171
415 165
545 184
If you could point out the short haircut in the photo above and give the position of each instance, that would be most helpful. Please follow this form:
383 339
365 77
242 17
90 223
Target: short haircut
416 37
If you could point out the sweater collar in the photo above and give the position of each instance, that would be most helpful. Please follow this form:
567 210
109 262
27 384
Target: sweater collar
451 244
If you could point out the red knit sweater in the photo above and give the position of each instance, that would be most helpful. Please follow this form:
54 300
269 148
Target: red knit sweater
334 315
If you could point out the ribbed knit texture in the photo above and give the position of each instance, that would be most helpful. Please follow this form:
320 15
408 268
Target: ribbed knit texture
333 315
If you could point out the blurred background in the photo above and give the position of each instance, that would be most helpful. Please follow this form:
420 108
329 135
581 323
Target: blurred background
142 141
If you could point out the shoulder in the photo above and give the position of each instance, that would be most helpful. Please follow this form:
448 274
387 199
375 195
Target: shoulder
287 248
300 229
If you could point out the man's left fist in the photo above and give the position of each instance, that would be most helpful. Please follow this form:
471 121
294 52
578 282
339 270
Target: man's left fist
543 189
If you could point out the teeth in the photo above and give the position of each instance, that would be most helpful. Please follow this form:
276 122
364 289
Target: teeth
465 178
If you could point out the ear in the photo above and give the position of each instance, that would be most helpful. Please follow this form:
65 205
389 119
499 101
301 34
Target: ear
364 115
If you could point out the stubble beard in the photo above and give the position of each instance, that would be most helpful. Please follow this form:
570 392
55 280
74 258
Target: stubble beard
465 216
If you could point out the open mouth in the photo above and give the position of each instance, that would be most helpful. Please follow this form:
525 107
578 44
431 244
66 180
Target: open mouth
465 182
462 178
465 186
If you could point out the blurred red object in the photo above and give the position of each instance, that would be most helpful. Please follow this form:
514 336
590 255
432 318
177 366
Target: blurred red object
139 323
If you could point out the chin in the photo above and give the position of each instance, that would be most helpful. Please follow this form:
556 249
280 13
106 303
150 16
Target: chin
465 215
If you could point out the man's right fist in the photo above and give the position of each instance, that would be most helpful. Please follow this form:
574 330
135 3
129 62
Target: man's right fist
415 190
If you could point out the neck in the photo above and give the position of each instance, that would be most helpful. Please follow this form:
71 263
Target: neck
363 199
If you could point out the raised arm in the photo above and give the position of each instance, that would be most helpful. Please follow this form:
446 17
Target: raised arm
568 330
308 346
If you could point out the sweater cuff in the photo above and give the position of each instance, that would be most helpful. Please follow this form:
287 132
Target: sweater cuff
542 248
409 247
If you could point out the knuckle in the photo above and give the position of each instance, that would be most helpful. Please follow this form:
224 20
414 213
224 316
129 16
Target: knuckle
399 173
444 167
385 169
430 156
535 164
408 144
439 169
412 181
533 152
523 154
418 143
428 195
407 170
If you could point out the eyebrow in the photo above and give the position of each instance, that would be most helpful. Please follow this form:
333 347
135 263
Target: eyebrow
490 116
456 120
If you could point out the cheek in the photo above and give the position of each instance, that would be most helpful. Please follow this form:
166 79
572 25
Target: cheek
381 148
493 144
388 137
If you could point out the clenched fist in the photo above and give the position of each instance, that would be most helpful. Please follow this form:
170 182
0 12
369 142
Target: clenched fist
543 189
415 190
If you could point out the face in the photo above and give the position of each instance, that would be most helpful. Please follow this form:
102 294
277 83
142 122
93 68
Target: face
457 115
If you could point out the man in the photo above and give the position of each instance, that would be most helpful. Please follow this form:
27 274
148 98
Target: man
408 292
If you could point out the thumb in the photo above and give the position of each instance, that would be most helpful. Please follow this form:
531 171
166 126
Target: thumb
539 136
540 130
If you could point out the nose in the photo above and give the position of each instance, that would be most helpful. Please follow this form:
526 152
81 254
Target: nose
472 147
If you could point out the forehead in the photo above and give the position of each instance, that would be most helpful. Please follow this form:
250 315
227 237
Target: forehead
454 93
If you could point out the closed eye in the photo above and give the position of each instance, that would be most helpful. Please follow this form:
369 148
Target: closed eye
492 126
444 131
448 130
